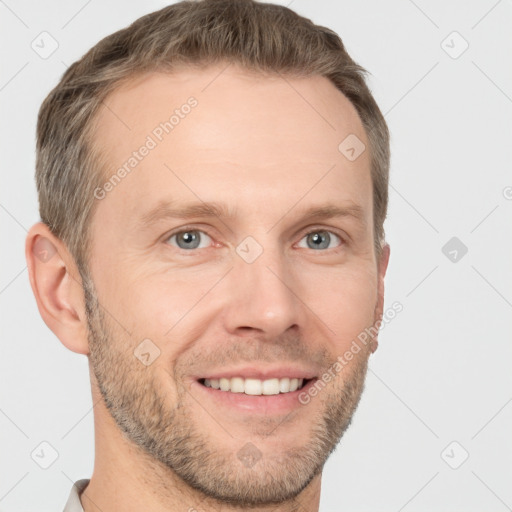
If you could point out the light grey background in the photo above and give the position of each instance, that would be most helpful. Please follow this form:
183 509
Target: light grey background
442 371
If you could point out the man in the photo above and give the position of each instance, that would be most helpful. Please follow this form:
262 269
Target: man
224 373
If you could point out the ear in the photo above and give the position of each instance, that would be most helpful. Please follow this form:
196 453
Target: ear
57 287
379 309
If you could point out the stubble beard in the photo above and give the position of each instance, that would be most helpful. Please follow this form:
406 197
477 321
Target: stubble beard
166 433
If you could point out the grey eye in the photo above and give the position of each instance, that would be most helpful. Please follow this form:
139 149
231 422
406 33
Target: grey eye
189 239
319 239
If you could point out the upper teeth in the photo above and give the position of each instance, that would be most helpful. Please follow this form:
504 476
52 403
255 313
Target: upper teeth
255 386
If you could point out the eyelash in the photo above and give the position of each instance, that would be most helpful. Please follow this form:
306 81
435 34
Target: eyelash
313 230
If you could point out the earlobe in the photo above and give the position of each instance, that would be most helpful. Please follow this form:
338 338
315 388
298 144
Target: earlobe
379 310
57 287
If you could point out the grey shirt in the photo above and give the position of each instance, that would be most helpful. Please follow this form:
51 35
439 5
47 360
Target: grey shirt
73 504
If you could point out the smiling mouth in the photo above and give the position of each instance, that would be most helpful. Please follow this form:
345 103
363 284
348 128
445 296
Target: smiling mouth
256 387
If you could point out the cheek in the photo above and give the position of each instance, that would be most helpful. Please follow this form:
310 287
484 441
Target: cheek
161 306
147 301
344 301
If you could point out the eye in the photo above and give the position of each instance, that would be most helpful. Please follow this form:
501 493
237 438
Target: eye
320 239
189 239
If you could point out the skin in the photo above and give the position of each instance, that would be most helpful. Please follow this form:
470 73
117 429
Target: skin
253 143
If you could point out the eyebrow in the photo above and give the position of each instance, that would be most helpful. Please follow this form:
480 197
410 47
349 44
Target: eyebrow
169 210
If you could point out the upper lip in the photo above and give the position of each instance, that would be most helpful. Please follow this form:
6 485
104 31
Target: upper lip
253 372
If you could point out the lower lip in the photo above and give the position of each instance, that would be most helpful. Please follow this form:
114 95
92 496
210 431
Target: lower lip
258 404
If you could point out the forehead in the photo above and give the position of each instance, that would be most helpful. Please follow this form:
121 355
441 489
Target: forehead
223 134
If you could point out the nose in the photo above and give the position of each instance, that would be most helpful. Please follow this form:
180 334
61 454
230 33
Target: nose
261 296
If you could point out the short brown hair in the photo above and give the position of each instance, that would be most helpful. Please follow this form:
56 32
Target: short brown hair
259 36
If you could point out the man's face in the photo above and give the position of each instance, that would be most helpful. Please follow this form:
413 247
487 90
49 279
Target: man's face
259 290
